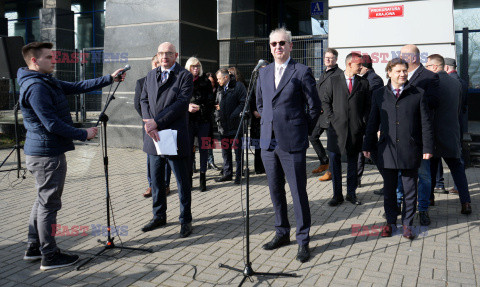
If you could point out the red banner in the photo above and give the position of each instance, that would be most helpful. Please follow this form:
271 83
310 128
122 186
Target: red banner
384 12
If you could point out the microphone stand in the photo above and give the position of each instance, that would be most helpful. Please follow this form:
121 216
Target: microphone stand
17 145
108 244
248 271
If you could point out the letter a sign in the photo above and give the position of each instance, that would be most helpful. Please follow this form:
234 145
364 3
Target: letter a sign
316 8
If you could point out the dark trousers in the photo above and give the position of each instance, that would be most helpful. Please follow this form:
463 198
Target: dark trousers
314 138
409 179
180 169
278 165
457 170
227 144
360 165
439 180
199 130
258 164
336 169
49 173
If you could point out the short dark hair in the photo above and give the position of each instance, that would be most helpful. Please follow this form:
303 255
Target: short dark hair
393 62
333 51
437 57
33 50
367 61
351 56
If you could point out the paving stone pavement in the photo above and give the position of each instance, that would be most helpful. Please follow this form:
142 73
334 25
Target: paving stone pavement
447 254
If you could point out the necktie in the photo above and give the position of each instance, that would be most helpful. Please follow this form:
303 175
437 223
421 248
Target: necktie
278 77
397 93
164 76
350 86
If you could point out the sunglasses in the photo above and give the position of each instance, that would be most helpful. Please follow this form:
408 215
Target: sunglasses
281 43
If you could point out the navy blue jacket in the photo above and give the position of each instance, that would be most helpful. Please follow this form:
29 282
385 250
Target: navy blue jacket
291 110
406 130
429 82
167 103
231 104
46 114
374 80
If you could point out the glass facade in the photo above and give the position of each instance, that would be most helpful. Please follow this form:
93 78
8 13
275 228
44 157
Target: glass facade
469 18
89 17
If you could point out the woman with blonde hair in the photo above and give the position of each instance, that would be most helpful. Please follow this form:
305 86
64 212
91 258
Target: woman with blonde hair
200 114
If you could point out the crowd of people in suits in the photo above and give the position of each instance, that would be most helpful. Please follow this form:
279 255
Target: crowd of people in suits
405 128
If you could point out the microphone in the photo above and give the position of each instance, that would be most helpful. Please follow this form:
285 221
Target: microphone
126 68
260 63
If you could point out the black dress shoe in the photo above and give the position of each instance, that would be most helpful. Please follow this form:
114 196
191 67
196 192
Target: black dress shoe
407 233
303 253
154 224
277 242
212 165
335 202
224 178
378 191
185 229
466 208
440 190
353 200
387 230
424 218
237 180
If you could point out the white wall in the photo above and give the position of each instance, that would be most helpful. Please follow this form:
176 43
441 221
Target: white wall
427 24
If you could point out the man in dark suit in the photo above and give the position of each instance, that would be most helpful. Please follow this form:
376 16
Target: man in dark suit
136 103
230 101
331 69
289 106
447 130
399 149
165 98
422 78
346 106
450 68
374 82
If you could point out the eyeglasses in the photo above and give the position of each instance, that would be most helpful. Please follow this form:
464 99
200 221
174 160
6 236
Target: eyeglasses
281 43
426 66
168 54
195 66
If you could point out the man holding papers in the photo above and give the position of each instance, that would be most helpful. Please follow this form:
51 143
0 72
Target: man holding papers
165 98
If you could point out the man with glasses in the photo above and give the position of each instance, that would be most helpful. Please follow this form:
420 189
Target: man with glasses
447 130
331 69
165 98
289 106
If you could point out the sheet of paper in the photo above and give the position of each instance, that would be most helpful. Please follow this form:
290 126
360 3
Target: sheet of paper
167 145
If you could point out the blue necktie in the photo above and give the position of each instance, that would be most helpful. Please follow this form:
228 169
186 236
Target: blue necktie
164 76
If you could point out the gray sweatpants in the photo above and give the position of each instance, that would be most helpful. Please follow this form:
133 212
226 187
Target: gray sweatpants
49 173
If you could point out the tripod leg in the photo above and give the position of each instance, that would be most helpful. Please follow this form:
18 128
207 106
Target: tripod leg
243 280
139 249
276 274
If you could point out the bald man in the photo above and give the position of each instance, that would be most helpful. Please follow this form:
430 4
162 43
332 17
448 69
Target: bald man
420 77
164 100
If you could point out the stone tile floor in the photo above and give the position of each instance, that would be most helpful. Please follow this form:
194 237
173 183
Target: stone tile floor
447 254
